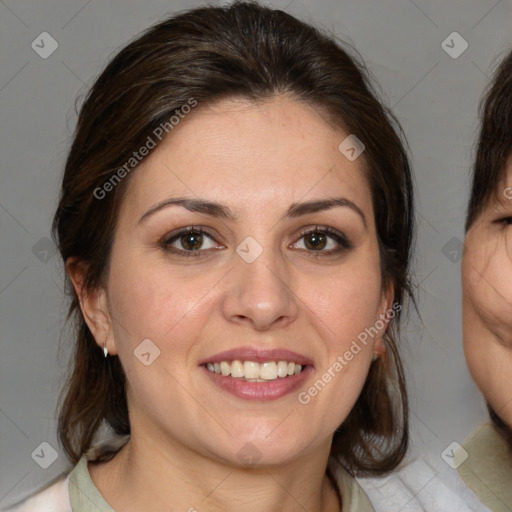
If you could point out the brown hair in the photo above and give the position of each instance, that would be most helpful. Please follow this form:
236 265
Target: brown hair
494 144
208 54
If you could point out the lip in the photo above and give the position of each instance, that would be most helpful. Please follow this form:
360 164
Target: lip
258 355
261 391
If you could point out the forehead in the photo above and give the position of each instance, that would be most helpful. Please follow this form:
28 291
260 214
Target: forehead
266 152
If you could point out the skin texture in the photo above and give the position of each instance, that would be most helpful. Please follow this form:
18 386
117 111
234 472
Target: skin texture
487 300
187 433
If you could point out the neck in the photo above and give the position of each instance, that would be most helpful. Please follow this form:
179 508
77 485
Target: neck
144 473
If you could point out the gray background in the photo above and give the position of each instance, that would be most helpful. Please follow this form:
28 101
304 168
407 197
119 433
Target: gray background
434 96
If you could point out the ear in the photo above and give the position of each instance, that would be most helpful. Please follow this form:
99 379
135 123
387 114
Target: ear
386 313
93 304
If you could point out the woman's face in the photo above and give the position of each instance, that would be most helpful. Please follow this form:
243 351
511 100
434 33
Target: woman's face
245 288
487 300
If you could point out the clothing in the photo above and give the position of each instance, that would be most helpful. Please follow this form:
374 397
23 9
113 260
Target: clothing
488 468
421 485
416 487
83 494
77 493
54 498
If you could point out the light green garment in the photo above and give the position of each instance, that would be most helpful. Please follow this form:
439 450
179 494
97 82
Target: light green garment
488 468
83 494
85 497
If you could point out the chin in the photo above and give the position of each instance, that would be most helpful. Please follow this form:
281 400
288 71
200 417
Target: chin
262 451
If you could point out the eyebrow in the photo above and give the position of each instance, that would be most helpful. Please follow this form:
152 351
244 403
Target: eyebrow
224 212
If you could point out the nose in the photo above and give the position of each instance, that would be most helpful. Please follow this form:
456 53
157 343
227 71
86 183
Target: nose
260 294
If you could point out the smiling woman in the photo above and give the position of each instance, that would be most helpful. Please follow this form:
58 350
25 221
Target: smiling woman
258 252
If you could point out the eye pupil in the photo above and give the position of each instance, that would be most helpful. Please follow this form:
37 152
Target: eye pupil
315 240
195 238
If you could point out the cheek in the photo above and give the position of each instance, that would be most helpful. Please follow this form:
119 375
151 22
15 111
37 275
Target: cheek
351 299
487 295
492 374
487 285
346 312
157 302
161 304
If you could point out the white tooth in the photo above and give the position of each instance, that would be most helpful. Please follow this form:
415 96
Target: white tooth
268 371
282 369
251 370
255 372
225 368
237 369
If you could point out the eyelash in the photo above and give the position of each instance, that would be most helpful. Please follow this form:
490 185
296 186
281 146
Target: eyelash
505 221
338 237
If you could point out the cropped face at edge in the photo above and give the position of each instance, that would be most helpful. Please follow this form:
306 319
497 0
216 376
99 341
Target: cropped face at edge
487 300
254 286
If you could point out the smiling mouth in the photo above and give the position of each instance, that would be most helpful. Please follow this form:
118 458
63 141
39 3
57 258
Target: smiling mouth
251 371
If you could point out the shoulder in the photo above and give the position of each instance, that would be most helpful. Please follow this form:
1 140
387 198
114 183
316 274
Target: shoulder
486 467
54 498
418 486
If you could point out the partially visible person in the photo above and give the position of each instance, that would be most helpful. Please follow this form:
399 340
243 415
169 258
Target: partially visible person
487 296
483 477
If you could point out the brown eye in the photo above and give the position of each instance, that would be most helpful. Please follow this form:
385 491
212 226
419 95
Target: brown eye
188 242
325 241
315 240
191 241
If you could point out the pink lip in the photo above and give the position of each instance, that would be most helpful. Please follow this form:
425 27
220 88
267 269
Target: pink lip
258 356
262 391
